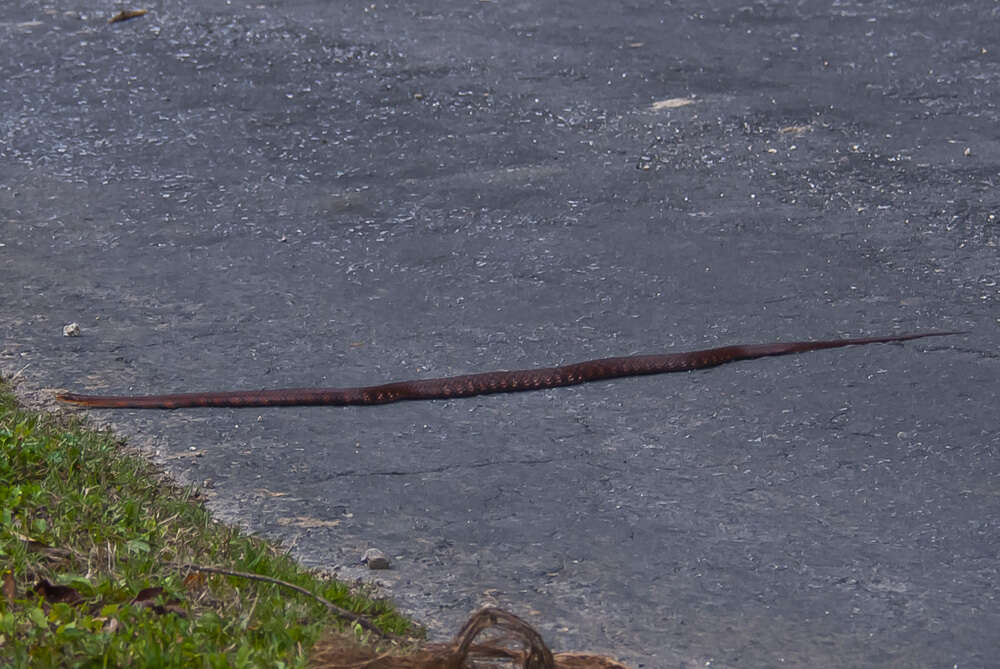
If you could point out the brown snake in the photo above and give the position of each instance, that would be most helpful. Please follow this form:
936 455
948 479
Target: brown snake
476 384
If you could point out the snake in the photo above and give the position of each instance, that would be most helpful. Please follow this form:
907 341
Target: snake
483 383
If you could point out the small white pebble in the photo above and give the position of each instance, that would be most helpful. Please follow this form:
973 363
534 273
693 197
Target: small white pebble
71 330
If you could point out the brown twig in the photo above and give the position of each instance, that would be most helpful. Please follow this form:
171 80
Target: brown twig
341 612
510 642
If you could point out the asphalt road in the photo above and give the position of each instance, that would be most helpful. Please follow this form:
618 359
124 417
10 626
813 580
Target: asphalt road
231 195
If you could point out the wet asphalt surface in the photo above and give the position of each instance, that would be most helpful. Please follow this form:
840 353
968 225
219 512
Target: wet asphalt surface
302 193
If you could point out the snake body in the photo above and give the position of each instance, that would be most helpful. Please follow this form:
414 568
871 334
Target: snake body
477 384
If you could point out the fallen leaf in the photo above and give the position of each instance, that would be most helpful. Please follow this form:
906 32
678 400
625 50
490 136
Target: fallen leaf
194 579
147 594
56 593
585 661
128 14
146 600
513 643
671 103
794 130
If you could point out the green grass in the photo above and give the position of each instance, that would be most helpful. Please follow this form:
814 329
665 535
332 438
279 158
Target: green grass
77 510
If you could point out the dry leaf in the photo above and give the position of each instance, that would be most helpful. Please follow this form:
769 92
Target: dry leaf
513 643
128 14
56 593
146 599
671 103
794 130
585 661
147 594
194 579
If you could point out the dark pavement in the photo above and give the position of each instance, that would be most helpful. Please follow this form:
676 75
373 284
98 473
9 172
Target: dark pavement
246 195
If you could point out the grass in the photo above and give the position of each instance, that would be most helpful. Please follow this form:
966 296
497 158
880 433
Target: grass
78 511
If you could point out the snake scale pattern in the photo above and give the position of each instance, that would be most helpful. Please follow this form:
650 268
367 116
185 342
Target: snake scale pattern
477 384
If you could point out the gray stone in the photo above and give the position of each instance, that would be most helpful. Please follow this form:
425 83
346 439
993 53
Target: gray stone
375 559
